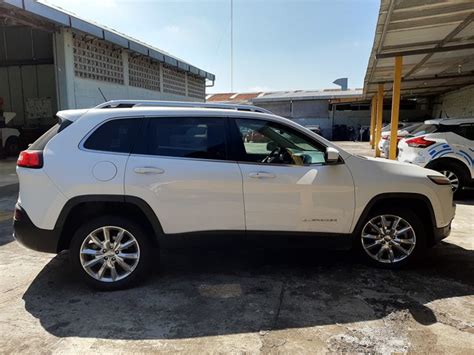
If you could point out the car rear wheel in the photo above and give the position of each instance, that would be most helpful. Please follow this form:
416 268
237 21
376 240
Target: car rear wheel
12 146
456 176
110 253
392 238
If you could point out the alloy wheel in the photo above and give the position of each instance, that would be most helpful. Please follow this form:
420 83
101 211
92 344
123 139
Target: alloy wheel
388 239
453 179
109 253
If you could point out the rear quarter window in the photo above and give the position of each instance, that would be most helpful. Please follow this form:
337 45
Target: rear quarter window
425 129
116 135
41 142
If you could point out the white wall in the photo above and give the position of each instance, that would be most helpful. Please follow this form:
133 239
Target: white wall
459 104
87 94
75 92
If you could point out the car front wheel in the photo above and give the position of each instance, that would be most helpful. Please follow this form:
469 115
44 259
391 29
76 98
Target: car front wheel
110 253
392 238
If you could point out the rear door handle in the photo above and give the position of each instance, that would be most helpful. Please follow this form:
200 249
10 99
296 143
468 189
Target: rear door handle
148 170
262 175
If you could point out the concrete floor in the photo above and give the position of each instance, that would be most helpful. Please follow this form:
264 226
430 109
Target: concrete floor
243 300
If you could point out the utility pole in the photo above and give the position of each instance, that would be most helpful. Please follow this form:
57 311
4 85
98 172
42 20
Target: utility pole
231 45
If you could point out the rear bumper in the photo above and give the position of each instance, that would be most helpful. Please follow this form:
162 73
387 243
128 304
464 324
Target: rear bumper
32 237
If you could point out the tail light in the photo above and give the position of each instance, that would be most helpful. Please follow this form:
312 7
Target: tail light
419 142
30 159
385 137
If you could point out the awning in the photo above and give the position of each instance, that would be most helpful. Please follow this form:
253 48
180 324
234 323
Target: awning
435 39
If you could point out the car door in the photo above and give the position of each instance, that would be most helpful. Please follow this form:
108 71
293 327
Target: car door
461 138
180 169
287 184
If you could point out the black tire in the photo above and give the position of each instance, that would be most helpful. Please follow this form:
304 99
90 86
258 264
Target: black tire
12 146
145 252
458 171
408 216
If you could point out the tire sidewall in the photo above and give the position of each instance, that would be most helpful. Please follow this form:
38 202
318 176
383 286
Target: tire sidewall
458 172
145 252
10 143
408 215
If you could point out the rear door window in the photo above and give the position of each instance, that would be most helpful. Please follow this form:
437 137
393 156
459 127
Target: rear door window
185 137
464 130
116 135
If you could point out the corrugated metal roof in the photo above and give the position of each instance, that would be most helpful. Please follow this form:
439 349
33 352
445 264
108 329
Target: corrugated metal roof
257 97
435 39
63 18
309 95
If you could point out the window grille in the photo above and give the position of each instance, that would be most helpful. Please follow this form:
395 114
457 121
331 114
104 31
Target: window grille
97 60
196 87
174 81
144 73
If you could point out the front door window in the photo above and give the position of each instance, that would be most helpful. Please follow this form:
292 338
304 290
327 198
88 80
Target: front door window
273 143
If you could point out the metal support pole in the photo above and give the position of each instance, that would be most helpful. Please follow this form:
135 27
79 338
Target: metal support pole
373 111
397 80
378 126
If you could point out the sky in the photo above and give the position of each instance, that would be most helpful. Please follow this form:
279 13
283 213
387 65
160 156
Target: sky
278 44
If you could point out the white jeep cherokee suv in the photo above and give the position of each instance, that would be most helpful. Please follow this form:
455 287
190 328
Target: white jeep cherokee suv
113 183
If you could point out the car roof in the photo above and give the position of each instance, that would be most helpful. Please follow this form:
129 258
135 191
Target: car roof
100 115
450 121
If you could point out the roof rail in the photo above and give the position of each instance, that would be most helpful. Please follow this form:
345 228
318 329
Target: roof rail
138 103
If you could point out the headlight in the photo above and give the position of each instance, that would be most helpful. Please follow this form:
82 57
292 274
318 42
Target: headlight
439 180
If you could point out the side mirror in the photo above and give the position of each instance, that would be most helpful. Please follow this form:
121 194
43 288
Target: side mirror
271 146
331 156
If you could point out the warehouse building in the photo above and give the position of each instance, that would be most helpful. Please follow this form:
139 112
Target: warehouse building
52 60
337 112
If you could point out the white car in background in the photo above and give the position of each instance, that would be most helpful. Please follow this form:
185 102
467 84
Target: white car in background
384 143
444 145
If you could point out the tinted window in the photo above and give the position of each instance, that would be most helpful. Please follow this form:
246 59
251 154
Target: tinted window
425 129
465 130
470 132
188 137
270 142
41 142
114 136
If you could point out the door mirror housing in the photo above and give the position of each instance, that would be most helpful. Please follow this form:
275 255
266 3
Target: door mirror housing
331 156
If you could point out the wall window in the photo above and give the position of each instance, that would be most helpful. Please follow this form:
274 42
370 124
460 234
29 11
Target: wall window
144 73
97 60
174 81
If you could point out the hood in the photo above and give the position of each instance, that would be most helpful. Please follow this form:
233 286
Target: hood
391 167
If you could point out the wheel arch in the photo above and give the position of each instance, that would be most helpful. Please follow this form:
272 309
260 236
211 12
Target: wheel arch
449 160
417 202
80 208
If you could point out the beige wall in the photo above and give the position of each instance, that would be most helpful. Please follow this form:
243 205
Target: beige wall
456 104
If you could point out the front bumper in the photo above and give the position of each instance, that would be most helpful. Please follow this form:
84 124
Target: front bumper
32 237
441 233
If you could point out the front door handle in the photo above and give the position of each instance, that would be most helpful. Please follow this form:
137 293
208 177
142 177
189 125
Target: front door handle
262 175
148 170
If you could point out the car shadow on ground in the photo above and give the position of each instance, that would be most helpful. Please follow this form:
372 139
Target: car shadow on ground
206 292
6 232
